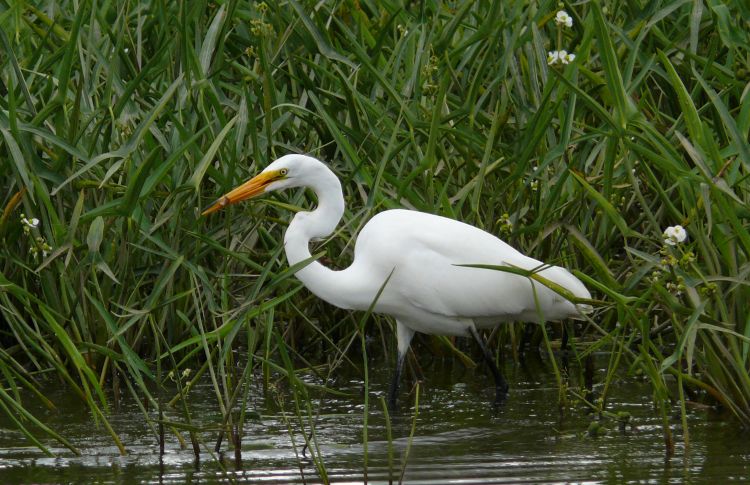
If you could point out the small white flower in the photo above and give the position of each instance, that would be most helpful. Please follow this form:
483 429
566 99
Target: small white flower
32 223
674 235
46 248
563 57
562 18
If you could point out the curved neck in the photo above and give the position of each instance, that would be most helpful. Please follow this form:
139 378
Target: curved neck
319 223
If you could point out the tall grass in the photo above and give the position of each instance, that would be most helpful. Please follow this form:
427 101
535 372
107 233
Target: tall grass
120 121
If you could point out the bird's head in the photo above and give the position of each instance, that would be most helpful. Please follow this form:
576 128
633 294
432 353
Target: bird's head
285 172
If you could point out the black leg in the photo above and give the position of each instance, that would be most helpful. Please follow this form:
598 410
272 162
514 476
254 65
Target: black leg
525 338
393 390
588 373
564 347
501 386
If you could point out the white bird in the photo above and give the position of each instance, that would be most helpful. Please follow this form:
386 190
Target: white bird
418 261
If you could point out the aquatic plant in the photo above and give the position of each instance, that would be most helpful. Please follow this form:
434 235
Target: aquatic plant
121 121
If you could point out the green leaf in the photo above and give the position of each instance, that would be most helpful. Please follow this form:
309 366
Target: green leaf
606 206
132 143
19 161
731 34
209 43
200 170
131 357
66 66
624 107
686 343
738 140
95 235
689 111
323 46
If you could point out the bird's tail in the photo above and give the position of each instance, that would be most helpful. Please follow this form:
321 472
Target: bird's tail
583 309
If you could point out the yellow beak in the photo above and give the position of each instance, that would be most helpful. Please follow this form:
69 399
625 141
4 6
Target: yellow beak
255 186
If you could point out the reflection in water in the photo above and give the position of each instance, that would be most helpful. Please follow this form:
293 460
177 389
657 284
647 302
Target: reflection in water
459 438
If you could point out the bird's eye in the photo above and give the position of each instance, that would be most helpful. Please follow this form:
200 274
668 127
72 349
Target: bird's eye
283 171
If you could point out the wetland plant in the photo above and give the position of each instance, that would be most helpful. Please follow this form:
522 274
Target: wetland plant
120 120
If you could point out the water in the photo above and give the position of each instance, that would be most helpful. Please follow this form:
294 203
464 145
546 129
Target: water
459 438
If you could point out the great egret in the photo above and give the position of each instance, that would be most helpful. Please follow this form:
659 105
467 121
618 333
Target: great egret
418 261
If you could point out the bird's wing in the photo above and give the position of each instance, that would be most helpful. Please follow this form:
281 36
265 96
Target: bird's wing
435 282
427 252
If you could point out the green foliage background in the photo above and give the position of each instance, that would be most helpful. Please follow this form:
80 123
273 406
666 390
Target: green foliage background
121 120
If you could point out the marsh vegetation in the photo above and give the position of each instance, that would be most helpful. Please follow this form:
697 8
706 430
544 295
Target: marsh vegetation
121 121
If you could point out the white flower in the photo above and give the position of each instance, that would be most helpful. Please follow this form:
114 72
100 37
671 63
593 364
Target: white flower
674 235
562 18
32 223
553 57
46 248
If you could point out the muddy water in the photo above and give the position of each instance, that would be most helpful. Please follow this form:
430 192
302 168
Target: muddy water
458 438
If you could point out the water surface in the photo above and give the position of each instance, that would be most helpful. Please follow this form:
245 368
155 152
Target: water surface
459 438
